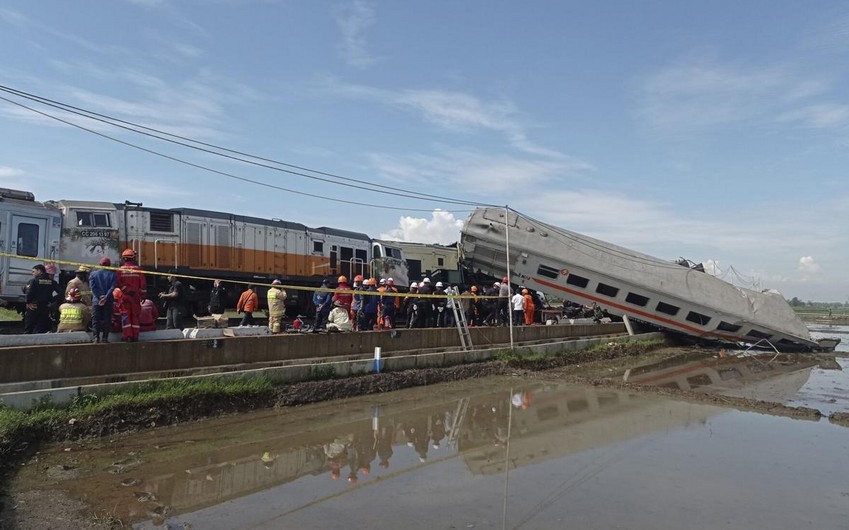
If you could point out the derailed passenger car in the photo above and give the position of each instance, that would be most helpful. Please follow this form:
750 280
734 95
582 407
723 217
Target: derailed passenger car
624 282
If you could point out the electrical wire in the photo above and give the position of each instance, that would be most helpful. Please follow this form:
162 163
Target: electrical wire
218 172
162 135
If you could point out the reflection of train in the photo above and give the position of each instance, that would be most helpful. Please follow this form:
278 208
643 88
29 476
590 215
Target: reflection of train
194 242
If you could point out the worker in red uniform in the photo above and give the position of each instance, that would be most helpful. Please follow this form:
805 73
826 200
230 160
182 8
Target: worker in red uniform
345 299
130 279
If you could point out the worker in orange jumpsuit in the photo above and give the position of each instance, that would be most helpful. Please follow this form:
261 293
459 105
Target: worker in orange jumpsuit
529 307
131 280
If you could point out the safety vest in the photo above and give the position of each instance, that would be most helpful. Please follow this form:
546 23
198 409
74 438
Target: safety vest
276 302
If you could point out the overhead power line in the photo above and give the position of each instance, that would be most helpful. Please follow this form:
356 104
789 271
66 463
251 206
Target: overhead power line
216 150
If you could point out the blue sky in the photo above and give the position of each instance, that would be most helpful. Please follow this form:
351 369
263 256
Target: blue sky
716 131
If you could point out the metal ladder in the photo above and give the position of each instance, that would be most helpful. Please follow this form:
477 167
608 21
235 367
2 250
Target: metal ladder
462 325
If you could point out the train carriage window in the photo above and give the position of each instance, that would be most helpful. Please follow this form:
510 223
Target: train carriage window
698 318
607 290
28 240
161 222
93 219
318 246
725 326
758 334
440 262
637 299
669 309
576 280
548 272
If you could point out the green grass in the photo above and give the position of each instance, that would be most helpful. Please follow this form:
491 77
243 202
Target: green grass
17 428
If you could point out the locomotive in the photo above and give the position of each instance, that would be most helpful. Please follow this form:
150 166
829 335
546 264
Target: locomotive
201 244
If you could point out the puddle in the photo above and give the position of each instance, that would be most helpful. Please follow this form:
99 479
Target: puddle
487 453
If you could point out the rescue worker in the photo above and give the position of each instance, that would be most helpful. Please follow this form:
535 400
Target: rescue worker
323 301
174 300
370 303
74 314
131 280
410 306
425 304
41 291
102 283
339 318
276 307
357 300
439 305
148 316
473 311
345 298
248 303
80 282
119 315
390 305
529 307
491 305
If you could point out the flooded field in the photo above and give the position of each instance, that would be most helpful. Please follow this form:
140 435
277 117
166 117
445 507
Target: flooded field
486 453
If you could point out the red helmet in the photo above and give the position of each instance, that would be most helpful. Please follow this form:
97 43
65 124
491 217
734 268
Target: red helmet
74 295
129 254
342 279
358 278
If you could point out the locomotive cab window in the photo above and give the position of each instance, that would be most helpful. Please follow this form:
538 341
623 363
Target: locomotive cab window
93 219
28 240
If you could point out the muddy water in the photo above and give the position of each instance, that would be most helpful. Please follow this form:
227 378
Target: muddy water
490 453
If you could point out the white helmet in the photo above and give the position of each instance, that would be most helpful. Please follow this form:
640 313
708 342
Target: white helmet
414 285
426 280
439 284
496 284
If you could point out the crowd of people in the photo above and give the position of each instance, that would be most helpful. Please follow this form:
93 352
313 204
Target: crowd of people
115 299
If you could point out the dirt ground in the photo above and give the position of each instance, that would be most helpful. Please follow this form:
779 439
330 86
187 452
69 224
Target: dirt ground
30 510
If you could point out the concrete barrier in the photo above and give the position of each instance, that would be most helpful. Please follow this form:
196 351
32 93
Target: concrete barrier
309 368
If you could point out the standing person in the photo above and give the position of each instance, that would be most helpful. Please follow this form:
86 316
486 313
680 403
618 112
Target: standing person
276 307
518 302
131 280
411 309
473 309
322 300
74 314
174 300
41 291
425 304
529 307
217 301
388 304
451 292
504 302
357 301
102 283
248 303
439 305
80 281
370 304
346 298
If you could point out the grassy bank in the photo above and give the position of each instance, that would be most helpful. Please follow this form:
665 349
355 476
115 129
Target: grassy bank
9 314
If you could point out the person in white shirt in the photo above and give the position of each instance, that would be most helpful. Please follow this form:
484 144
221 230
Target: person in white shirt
518 302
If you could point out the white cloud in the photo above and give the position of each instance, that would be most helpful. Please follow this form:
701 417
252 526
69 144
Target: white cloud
484 174
9 172
441 228
699 94
353 21
808 266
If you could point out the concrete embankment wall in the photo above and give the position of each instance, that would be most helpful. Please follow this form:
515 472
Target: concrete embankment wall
67 372
53 362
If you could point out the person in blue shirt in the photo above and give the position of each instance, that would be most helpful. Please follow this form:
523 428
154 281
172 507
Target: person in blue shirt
323 302
102 283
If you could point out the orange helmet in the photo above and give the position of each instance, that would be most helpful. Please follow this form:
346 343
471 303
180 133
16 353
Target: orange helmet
129 254
358 278
524 291
372 281
74 295
117 293
342 279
